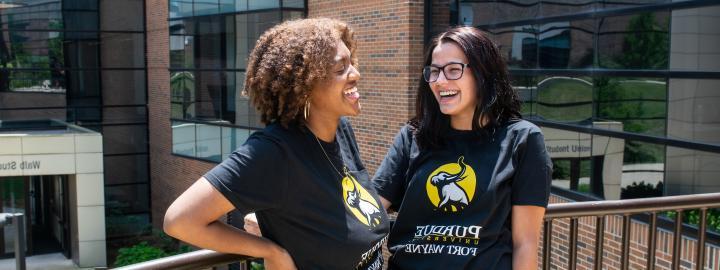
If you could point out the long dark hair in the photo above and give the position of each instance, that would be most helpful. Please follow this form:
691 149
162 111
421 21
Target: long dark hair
497 100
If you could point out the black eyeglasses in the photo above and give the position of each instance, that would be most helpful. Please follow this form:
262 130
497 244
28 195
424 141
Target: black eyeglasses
452 71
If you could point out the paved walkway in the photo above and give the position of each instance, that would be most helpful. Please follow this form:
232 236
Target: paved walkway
54 261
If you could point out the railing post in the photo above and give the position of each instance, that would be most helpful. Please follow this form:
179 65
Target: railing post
599 241
677 240
652 241
625 243
700 250
547 236
572 262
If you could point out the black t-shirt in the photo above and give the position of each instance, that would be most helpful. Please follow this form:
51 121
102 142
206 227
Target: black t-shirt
324 220
454 203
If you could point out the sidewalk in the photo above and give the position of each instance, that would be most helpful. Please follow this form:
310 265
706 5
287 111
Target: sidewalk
54 261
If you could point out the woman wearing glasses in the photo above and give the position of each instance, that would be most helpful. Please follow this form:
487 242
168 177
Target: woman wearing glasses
469 179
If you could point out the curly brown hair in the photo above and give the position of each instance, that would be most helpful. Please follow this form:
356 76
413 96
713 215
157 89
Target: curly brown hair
288 60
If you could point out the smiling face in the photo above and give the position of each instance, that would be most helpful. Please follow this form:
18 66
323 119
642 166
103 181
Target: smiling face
456 98
338 95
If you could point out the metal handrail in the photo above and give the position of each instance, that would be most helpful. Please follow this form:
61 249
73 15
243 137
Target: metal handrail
206 258
192 260
632 206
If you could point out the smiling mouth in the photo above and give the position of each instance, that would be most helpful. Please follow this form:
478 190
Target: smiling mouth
352 93
448 93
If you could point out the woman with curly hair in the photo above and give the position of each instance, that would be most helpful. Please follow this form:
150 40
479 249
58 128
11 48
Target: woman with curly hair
301 174
470 180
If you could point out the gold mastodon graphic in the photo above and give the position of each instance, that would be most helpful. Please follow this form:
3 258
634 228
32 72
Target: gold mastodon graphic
359 201
451 187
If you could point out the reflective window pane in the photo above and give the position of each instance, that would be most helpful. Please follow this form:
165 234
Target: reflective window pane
638 41
695 39
205 7
125 169
122 50
566 7
182 98
565 99
693 110
638 104
293 3
232 138
209 101
33 49
123 87
208 142
184 138
81 20
519 45
125 115
263 4
119 224
180 8
127 198
125 139
691 171
124 15
566 44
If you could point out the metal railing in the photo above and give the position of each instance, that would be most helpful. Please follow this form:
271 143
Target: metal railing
598 209
652 206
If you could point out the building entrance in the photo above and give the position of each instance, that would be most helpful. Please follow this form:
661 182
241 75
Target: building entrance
44 202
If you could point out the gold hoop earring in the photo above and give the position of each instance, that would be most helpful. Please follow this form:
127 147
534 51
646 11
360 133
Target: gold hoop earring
306 110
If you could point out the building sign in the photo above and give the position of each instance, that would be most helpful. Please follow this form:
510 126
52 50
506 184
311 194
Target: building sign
19 165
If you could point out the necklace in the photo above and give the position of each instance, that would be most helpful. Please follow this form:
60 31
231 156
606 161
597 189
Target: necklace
345 169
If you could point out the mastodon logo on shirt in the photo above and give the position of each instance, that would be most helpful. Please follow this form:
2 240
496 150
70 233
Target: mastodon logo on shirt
359 201
451 187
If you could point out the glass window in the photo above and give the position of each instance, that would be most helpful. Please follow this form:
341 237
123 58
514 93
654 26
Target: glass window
209 95
565 99
263 4
693 110
125 115
39 16
519 45
85 115
205 7
126 169
243 42
82 84
691 172
566 44
130 198
32 49
565 7
123 50
123 87
125 15
227 6
695 39
180 8
208 142
638 104
80 5
81 20
209 42
182 99
182 51
82 53
606 167
30 81
125 139
526 87
292 15
241 5
294 3
9 114
184 138
232 138
120 224
638 41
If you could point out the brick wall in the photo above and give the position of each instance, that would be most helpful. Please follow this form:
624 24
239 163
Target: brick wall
390 39
612 248
170 174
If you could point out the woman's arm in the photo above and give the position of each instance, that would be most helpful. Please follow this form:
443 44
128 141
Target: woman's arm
193 218
526 223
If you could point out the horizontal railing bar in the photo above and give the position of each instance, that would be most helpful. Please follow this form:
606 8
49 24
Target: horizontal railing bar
632 206
192 260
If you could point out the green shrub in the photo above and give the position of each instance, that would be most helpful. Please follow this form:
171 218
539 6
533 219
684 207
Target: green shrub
641 190
138 253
